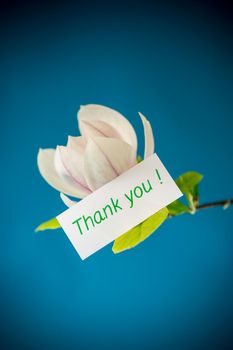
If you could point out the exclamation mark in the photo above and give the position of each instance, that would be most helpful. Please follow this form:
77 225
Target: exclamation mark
159 177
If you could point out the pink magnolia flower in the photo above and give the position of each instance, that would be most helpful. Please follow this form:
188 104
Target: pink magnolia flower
106 148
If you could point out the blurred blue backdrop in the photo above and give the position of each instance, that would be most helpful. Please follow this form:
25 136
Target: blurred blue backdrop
173 62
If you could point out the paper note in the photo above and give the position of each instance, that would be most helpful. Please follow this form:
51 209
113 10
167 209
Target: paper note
118 206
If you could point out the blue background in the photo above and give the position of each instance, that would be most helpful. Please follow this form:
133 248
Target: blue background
173 62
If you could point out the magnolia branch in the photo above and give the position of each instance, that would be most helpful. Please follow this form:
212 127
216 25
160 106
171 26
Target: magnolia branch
223 203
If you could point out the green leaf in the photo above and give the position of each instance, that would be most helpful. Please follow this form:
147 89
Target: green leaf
188 181
177 208
195 195
52 224
140 232
188 184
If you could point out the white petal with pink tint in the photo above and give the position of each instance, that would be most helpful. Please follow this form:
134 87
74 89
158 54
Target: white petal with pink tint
77 143
45 161
148 135
69 166
93 128
105 159
117 121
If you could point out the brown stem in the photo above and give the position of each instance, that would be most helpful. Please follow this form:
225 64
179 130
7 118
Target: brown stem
224 203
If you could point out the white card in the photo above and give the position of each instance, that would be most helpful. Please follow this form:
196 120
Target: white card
118 206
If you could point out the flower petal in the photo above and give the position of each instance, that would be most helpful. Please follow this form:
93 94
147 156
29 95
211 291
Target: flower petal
69 165
93 128
45 161
117 121
66 200
149 138
77 143
105 159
